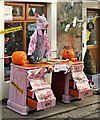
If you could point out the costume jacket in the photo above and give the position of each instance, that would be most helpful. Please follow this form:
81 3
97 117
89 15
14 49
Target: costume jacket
39 44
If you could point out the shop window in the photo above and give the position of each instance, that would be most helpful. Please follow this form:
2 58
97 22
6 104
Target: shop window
30 28
12 43
32 8
23 15
18 10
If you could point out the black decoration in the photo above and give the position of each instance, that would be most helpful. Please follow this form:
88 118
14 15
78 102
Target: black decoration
33 58
90 26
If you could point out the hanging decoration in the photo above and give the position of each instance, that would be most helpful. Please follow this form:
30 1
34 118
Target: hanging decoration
90 26
74 23
80 21
71 23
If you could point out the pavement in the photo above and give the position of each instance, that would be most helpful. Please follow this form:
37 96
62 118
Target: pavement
59 109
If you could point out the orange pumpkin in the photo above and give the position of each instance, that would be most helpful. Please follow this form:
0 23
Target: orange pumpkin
68 54
19 57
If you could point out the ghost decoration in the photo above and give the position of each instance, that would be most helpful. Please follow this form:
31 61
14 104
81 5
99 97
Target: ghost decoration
74 21
67 26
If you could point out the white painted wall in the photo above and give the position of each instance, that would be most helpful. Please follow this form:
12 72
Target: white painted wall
94 5
42 1
52 30
1 47
99 4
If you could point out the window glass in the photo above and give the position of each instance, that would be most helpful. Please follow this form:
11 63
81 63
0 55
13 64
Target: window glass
30 28
13 42
16 11
32 10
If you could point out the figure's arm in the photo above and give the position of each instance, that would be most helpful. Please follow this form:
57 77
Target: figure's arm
32 43
47 47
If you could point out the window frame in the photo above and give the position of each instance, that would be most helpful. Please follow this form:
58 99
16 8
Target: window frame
35 5
24 19
17 5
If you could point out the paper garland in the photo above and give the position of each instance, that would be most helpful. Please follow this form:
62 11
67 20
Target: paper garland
80 21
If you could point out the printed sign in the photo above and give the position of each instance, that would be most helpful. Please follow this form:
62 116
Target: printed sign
17 87
8 13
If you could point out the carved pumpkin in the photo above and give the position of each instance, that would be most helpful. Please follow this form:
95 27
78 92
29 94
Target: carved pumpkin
68 54
19 57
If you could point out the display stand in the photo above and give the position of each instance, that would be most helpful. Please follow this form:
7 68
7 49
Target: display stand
19 94
64 85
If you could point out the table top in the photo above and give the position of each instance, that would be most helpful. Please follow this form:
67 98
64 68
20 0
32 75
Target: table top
51 63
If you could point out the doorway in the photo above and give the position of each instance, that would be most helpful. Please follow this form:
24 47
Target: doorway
93 43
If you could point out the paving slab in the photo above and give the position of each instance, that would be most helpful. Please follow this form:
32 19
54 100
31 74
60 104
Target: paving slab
82 112
58 109
87 101
95 115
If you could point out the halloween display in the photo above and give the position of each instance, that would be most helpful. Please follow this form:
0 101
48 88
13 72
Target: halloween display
19 57
68 54
29 88
39 43
28 85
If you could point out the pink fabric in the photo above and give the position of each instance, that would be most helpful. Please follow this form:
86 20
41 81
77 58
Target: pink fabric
32 45
81 80
39 85
45 94
37 74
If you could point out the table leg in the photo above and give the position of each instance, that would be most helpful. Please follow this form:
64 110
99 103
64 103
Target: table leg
65 96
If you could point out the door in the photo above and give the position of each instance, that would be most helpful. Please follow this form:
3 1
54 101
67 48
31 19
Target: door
93 43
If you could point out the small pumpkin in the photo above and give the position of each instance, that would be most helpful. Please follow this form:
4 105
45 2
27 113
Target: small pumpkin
19 57
50 69
68 54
